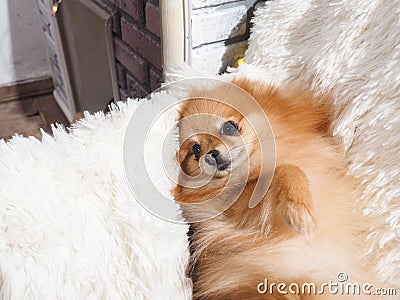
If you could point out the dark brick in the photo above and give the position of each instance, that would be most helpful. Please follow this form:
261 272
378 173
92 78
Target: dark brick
155 79
135 89
134 8
121 75
153 17
132 61
141 42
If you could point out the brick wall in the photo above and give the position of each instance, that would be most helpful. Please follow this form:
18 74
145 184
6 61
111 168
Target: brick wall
220 29
136 32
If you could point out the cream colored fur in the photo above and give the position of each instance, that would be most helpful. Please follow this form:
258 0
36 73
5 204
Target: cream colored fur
70 226
351 50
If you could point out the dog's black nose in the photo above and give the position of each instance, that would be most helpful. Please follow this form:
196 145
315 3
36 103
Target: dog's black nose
214 157
211 157
213 153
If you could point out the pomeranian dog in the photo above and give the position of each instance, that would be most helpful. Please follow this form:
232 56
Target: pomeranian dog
306 229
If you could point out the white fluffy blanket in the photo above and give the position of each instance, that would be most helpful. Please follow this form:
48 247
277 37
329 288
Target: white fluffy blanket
351 49
70 227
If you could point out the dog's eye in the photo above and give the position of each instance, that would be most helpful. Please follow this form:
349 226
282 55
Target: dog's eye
229 128
196 150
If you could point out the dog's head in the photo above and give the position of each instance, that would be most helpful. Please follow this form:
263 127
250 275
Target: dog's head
215 138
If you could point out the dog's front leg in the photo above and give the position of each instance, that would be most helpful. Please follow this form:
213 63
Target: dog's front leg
292 199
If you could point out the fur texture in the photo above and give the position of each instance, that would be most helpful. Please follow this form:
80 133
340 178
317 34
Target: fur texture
308 226
350 49
71 228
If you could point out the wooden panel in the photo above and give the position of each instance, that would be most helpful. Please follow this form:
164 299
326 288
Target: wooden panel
18 117
27 116
17 109
29 88
49 110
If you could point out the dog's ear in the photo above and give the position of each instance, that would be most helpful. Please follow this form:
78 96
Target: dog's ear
291 193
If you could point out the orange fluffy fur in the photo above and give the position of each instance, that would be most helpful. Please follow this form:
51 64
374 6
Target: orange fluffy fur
306 229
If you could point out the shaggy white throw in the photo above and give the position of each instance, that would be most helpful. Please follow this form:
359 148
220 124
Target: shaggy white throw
70 227
351 49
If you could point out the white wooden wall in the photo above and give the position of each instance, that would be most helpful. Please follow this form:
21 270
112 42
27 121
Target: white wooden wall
218 30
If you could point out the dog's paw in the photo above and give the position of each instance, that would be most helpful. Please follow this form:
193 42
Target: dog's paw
294 199
300 218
